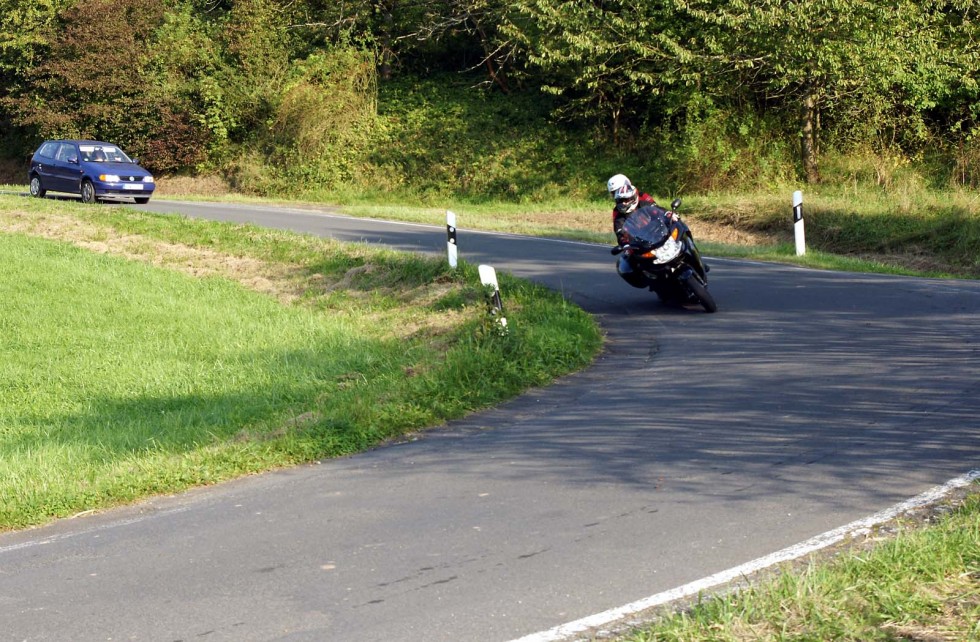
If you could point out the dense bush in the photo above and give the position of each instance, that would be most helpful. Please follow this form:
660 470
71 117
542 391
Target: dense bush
319 129
91 82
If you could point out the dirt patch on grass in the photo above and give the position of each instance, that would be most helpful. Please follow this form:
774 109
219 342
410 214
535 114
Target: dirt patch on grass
710 232
287 283
283 282
202 186
703 230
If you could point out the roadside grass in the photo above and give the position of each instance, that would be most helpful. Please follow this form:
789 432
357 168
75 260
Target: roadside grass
146 354
919 584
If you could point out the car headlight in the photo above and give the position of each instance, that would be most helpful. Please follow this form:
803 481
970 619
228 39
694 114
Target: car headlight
668 251
109 178
148 179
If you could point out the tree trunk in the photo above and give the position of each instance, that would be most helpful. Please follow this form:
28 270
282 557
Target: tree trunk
496 73
386 54
809 139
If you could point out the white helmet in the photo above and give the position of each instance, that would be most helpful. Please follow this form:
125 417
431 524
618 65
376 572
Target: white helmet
622 191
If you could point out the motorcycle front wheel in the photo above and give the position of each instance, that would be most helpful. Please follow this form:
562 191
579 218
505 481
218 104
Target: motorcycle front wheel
700 290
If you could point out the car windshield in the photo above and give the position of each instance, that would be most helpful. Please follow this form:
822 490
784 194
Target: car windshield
647 225
103 154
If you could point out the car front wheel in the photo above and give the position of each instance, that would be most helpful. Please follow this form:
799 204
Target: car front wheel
36 190
88 191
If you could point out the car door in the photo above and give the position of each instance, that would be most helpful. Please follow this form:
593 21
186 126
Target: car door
66 170
44 163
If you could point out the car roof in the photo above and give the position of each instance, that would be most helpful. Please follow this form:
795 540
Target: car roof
84 141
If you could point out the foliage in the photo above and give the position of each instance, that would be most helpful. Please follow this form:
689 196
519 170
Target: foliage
91 85
608 59
254 52
710 146
864 70
24 30
445 140
321 125
255 88
181 64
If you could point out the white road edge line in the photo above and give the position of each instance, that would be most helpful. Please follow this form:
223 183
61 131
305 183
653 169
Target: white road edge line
824 540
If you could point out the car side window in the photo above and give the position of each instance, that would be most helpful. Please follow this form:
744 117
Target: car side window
67 152
47 150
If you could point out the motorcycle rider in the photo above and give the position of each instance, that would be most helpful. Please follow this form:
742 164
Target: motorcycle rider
627 198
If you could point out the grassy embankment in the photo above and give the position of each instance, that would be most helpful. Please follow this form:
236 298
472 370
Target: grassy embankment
146 354
922 584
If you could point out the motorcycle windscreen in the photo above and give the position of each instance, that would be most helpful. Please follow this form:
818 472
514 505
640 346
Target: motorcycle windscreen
647 225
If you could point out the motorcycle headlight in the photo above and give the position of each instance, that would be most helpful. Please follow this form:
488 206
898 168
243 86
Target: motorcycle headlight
668 251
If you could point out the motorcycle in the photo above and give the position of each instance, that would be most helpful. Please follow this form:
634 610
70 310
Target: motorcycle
659 253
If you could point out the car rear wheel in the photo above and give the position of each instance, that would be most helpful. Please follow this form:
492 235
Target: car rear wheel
36 189
88 191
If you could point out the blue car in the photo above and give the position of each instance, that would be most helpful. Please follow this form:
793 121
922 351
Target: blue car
92 169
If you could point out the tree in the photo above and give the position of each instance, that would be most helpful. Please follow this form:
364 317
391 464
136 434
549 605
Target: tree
92 83
24 40
415 33
605 58
856 61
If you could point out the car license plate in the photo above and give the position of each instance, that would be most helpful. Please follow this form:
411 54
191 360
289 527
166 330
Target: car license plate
133 186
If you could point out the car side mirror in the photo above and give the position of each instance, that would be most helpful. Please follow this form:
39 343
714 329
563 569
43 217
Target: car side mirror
73 160
675 204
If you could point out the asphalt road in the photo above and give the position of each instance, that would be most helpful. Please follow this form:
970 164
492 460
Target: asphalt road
696 443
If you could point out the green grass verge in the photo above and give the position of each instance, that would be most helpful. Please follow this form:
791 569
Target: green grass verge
923 584
122 379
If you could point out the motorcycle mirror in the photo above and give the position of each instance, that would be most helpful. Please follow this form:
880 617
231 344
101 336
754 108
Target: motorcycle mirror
675 204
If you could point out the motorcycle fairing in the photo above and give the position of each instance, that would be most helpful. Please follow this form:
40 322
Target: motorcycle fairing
647 225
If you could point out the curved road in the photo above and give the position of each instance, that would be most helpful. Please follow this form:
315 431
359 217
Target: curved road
695 444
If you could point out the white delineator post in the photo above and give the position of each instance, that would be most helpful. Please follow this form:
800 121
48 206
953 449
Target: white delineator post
451 248
488 277
798 223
